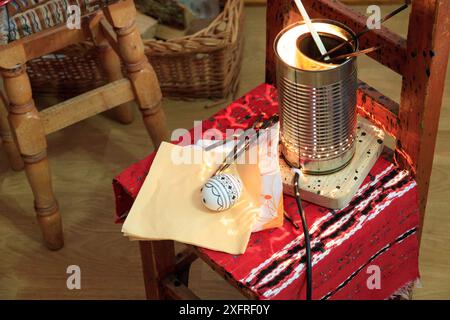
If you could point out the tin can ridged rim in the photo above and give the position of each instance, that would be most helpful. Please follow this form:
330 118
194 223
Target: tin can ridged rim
332 22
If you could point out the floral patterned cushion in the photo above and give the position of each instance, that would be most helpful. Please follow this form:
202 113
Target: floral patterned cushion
21 18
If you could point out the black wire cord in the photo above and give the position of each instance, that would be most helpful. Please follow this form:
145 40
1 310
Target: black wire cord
307 237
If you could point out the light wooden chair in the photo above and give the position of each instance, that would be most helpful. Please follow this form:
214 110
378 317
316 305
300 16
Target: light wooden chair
7 139
421 59
110 24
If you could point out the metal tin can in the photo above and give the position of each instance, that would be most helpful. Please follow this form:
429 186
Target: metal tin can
317 99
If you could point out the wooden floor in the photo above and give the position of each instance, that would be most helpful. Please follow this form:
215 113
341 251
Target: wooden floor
84 159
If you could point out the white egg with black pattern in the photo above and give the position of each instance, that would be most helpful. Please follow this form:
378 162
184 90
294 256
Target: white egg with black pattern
221 192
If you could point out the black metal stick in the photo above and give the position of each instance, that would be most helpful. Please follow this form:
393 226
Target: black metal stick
366 29
353 54
247 131
243 145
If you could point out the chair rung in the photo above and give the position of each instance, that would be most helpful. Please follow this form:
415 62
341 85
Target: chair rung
185 259
86 105
222 272
178 291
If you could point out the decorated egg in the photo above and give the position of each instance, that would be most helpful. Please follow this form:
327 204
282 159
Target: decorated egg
221 192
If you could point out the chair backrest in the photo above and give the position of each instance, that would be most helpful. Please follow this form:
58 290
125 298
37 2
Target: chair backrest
421 59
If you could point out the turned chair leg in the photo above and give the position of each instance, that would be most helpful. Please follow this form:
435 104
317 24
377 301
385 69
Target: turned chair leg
29 134
158 260
111 64
8 142
139 71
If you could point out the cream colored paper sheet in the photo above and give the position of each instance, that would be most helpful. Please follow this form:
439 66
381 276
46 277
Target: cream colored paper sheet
169 206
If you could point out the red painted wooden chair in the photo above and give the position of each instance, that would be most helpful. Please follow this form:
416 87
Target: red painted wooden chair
272 266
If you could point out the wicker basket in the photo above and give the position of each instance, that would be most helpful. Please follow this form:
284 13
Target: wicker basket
204 65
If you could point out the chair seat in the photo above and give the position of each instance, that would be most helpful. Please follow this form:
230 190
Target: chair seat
375 234
27 17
